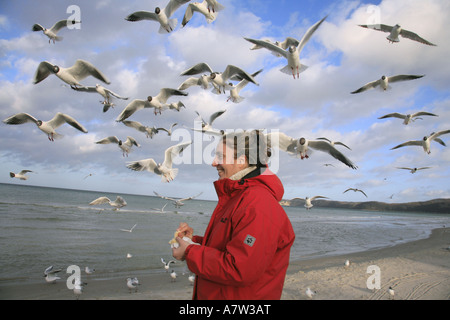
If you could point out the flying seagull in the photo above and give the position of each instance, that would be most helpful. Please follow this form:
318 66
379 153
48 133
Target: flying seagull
207 125
425 142
149 131
308 204
53 31
157 102
395 31
124 146
200 7
286 43
384 82
162 16
407 118
104 92
178 203
117 204
163 169
21 175
292 55
72 75
129 230
301 146
167 264
235 89
356 190
47 127
413 170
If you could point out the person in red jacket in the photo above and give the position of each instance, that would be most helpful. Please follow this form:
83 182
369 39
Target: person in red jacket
244 253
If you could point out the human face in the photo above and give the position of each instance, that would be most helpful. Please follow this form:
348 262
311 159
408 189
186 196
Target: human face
225 163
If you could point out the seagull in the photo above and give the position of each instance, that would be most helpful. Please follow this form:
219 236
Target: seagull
200 7
310 293
207 125
234 91
214 6
173 275
334 142
53 31
89 270
425 142
104 92
48 127
395 31
220 80
21 175
178 203
293 53
149 131
176 106
50 274
78 288
347 264
89 175
129 256
308 204
202 81
384 82
356 190
72 75
169 131
289 41
414 170
160 210
129 230
407 118
191 279
162 16
132 283
124 146
117 204
163 169
391 292
157 102
167 264
302 145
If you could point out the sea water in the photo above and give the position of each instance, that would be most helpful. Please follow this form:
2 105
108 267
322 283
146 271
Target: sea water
41 226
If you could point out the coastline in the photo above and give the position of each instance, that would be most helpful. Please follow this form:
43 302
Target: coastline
418 269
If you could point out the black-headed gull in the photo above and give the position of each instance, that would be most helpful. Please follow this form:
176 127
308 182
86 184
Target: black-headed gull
72 75
334 142
173 275
50 274
425 142
158 103
149 131
301 146
355 190
21 175
308 204
117 204
78 287
162 16
169 131
176 106
234 91
413 170
178 203
104 92
407 118
200 7
207 125
292 55
286 43
384 82
163 169
310 293
53 31
395 31
47 127
220 80
391 292
124 146
129 230
88 270
133 283
167 264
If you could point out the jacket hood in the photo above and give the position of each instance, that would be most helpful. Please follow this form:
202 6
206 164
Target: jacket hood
267 180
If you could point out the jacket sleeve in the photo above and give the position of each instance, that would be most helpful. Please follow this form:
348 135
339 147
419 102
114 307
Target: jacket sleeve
252 245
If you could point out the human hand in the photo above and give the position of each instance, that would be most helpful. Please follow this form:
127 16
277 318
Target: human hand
179 252
184 230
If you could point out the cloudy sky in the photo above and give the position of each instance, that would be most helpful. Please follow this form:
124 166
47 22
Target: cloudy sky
139 62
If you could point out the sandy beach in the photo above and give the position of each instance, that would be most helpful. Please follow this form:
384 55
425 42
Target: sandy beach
418 270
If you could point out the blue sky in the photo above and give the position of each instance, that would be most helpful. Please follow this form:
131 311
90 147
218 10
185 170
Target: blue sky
139 62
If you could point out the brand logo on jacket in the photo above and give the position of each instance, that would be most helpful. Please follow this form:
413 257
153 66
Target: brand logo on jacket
249 240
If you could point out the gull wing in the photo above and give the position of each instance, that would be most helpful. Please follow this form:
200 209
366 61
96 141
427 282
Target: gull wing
115 94
164 197
166 93
393 115
433 136
84 89
131 141
37 27
61 118
268 45
198 68
43 70
82 69
318 197
173 5
367 86
423 113
408 143
215 115
61 24
232 70
403 77
172 152
141 165
335 153
378 27
414 36
309 34
20 118
131 108
100 200
107 140
281 140
142 15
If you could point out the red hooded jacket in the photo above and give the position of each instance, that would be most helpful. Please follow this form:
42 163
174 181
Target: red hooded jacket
244 253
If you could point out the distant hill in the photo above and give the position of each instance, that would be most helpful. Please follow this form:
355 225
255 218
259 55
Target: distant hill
435 205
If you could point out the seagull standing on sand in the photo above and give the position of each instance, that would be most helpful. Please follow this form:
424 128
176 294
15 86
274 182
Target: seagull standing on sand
48 127
88 270
407 118
124 146
302 145
163 169
53 31
157 102
395 31
310 293
21 175
425 142
133 283
167 264
173 275
384 82
356 190
72 75
162 16
347 264
117 204
308 204
391 292
293 53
